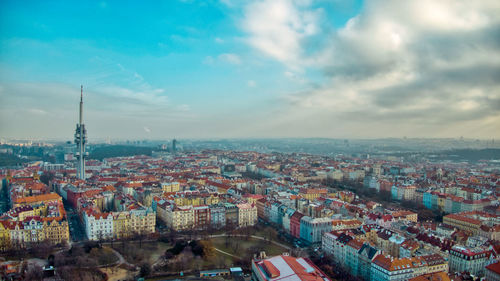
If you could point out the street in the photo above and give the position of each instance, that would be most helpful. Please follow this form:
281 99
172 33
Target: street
76 229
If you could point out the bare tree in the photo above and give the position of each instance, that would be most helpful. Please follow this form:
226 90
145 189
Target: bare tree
145 269
221 261
247 234
227 240
33 272
235 245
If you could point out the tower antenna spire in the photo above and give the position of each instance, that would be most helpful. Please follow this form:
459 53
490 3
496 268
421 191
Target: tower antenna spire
80 140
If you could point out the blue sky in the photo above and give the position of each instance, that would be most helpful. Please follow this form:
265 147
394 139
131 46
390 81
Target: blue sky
272 68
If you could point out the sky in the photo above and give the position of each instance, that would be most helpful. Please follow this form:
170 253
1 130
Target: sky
250 69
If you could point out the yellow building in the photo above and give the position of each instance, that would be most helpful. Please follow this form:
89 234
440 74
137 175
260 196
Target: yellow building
36 220
440 202
463 223
247 214
383 242
196 200
142 221
23 214
405 215
372 236
4 237
180 217
31 232
170 186
435 263
20 213
346 196
312 193
55 231
409 192
199 181
37 230
121 222
273 167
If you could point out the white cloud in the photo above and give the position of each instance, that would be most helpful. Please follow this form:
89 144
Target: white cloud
409 64
37 111
222 58
251 83
108 110
278 28
183 107
229 58
208 60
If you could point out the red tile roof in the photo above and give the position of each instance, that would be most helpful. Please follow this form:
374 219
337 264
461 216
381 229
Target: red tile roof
494 267
270 269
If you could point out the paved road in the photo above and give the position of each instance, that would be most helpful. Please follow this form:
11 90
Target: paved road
4 198
77 232
226 253
121 259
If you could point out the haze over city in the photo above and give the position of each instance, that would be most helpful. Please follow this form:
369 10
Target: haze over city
250 140
236 69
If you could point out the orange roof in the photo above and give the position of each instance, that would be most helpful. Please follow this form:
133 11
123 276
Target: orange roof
402 214
463 218
37 198
356 244
109 188
301 272
437 276
287 268
36 186
396 264
270 269
352 222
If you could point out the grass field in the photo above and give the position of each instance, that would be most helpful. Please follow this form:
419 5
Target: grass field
116 273
103 256
135 253
238 246
236 251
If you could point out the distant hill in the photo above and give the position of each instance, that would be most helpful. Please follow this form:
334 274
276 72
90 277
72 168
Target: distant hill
109 151
473 154
7 160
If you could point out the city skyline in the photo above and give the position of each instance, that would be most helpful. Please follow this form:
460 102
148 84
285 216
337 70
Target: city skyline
231 69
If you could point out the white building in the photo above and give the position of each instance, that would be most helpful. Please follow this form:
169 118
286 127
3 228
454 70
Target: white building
473 260
247 214
98 225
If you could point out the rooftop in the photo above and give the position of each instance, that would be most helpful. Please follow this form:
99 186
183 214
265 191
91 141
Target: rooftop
289 268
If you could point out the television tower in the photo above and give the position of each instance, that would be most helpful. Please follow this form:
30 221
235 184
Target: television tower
174 145
80 140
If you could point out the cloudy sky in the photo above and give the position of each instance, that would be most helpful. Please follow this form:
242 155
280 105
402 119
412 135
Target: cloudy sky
236 68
